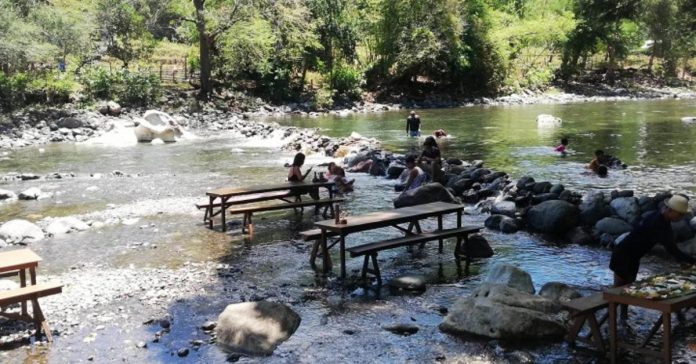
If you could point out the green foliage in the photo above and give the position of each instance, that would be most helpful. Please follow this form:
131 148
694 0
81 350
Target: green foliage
52 86
124 29
322 99
346 81
46 87
132 88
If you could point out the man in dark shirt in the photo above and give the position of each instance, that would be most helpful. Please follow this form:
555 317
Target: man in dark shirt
413 125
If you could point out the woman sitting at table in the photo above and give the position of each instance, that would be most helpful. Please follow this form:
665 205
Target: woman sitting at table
295 174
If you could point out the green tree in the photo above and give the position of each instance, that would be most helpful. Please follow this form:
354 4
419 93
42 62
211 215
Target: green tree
123 29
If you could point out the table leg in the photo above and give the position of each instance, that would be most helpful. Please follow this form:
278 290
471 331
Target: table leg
325 253
666 337
459 219
32 275
612 332
223 202
23 283
209 212
439 228
343 256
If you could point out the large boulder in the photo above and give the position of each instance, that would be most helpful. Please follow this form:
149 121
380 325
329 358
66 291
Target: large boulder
580 236
20 231
501 312
613 226
548 121
431 192
394 170
511 276
594 209
70 123
626 208
507 208
255 328
113 108
157 125
31 193
478 247
681 230
554 216
66 225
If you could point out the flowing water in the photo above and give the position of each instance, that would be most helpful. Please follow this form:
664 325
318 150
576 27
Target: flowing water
150 226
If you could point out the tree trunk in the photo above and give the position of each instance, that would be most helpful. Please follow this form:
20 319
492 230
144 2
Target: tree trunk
204 49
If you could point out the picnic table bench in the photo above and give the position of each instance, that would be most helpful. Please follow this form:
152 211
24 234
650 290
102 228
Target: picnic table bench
582 311
221 200
17 263
413 234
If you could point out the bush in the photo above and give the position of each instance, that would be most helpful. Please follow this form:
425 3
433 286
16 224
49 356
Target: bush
128 88
346 81
52 87
322 99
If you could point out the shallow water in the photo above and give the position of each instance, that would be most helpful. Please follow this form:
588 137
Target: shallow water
151 224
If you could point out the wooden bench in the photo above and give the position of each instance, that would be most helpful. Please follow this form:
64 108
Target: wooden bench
315 234
31 293
248 211
582 310
238 200
370 251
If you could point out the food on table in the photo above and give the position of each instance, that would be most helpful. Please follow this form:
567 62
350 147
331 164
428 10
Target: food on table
663 286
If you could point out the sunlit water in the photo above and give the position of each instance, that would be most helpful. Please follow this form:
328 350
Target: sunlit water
165 181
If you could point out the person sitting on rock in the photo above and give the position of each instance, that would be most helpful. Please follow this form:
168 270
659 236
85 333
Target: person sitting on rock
655 227
412 177
430 159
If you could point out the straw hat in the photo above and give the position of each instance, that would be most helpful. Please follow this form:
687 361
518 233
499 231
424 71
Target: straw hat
678 203
413 112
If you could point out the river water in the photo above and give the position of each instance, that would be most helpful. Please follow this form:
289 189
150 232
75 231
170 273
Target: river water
151 229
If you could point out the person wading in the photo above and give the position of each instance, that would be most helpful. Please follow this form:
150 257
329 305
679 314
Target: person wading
654 228
413 125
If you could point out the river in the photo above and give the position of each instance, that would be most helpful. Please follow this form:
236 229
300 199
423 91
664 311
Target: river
151 228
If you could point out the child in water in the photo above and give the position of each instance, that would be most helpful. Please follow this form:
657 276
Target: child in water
561 148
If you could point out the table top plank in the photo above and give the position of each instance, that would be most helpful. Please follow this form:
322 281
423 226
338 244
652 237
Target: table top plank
667 305
386 218
239 191
18 259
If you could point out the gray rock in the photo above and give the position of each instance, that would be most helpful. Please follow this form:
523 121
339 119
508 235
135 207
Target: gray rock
7 195
613 226
209 325
65 225
541 187
537 199
692 223
522 182
557 291
20 231
621 194
395 169
578 235
507 208
501 312
114 108
431 192
408 283
462 184
593 210
511 276
557 188
626 208
493 222
553 216
70 123
606 240
688 246
509 225
255 328
478 247
182 352
32 193
402 329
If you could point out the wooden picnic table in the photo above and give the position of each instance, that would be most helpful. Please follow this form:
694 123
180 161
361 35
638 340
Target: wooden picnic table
666 307
235 196
17 263
381 219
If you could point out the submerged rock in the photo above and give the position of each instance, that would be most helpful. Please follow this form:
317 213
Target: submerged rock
32 193
7 195
478 247
65 225
613 226
255 328
409 283
402 329
510 276
431 192
557 291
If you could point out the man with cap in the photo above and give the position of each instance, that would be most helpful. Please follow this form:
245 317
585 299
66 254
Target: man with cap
413 124
654 228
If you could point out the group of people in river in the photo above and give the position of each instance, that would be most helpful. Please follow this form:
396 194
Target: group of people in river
333 173
601 162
